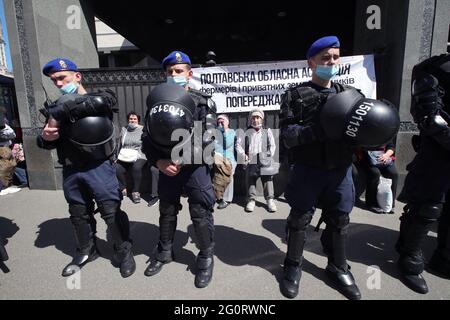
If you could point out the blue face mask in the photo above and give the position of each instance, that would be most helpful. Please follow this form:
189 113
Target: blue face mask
326 72
179 80
69 88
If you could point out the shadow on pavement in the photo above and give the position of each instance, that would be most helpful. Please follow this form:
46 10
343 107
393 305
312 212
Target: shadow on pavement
7 230
367 244
239 248
58 233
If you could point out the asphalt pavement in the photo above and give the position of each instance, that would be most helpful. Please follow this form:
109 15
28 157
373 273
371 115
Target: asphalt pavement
250 248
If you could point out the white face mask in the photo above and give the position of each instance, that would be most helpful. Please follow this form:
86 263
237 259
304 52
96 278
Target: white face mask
256 123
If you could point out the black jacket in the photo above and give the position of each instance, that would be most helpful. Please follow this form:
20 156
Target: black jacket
315 150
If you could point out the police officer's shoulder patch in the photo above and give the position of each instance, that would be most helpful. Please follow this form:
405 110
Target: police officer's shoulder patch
202 98
199 93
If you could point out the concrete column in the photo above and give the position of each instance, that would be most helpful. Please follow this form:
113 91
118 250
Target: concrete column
38 32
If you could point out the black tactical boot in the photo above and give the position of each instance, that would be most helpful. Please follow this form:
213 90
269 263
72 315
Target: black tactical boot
86 248
297 223
124 256
413 230
3 253
415 282
291 280
79 260
153 268
165 255
440 261
411 267
344 281
205 265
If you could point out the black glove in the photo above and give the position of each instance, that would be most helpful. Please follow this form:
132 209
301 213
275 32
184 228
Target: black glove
433 124
426 98
76 107
294 135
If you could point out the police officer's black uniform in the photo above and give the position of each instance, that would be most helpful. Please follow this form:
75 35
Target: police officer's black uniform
85 148
195 181
427 185
322 171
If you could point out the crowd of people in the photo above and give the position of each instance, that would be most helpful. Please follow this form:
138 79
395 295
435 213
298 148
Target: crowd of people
324 168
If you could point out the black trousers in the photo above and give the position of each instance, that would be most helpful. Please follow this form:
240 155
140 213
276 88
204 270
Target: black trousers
123 168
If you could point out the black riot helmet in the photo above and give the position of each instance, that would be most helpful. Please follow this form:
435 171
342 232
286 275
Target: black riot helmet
361 122
170 107
91 135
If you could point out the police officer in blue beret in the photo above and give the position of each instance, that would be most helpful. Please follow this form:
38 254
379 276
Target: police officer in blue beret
194 178
79 125
322 171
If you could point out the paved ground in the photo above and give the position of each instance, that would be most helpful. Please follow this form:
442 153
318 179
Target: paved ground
249 251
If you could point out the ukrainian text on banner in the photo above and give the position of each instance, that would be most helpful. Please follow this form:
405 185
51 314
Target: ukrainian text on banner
241 88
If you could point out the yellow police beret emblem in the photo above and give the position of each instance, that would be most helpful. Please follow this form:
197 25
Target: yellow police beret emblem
63 64
178 57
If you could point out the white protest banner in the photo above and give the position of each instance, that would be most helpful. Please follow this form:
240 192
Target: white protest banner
241 88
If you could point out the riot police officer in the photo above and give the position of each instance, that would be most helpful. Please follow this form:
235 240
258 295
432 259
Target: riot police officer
322 170
191 176
427 184
80 127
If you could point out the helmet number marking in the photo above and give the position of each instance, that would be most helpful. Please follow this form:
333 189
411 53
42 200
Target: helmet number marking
357 118
167 108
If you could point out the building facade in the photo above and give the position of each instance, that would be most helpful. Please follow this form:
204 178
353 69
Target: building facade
399 33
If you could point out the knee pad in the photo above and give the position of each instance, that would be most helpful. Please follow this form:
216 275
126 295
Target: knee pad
337 221
299 220
430 212
169 209
201 214
198 211
422 213
108 210
79 213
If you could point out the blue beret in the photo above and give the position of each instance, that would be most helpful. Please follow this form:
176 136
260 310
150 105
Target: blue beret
176 57
322 43
59 64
